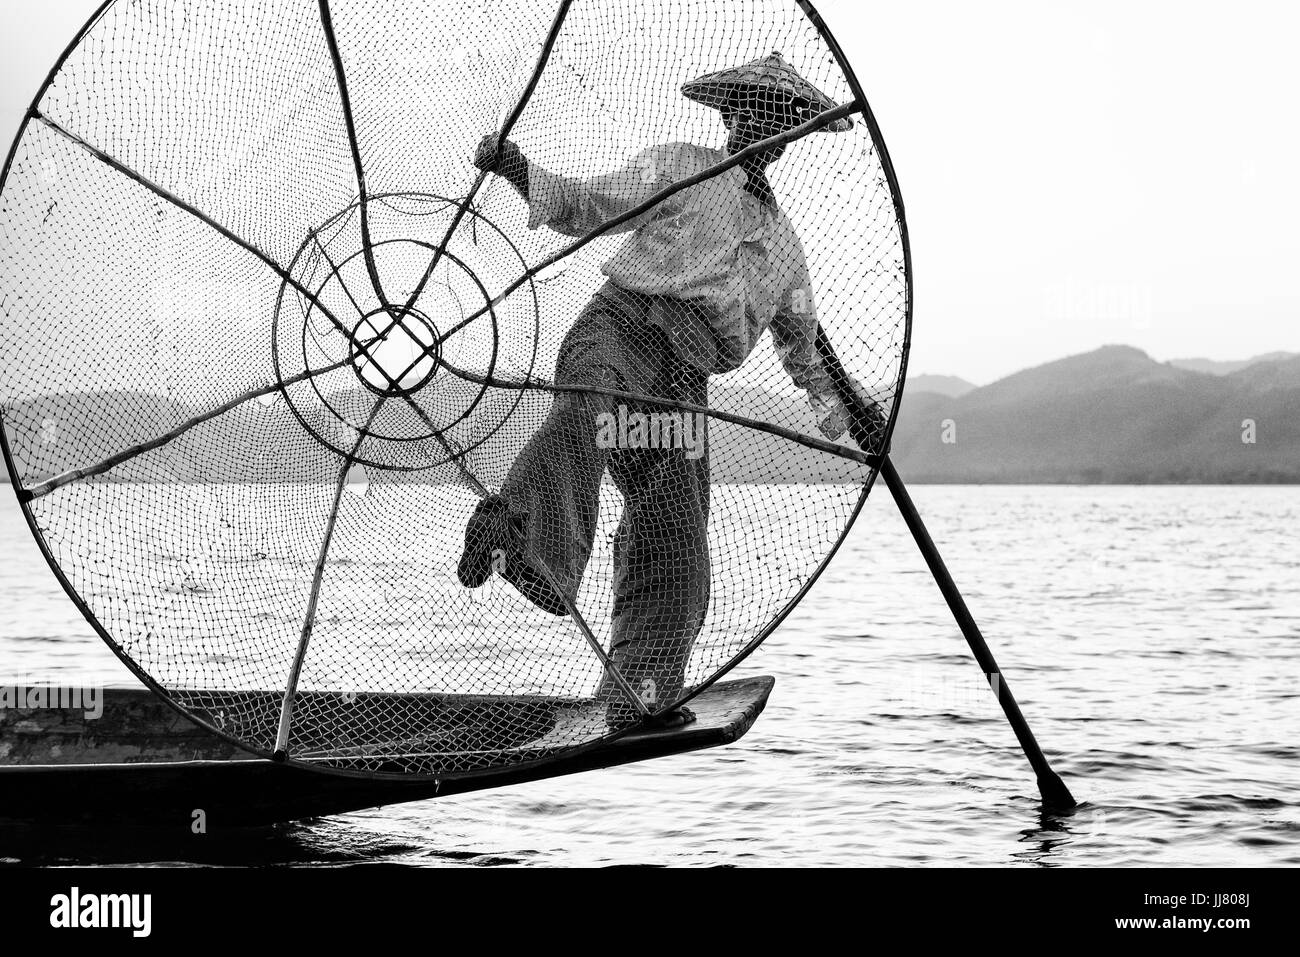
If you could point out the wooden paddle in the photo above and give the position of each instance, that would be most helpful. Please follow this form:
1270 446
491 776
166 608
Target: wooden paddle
1050 786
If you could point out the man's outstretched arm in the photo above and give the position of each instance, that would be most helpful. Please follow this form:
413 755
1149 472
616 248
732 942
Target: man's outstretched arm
794 335
572 206
508 162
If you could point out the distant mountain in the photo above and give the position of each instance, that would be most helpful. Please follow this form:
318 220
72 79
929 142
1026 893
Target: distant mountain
1109 416
946 385
1114 415
254 442
1216 367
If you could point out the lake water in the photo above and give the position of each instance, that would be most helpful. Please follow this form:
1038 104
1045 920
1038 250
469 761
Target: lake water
1152 636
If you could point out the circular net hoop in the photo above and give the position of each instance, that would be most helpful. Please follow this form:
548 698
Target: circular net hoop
271 342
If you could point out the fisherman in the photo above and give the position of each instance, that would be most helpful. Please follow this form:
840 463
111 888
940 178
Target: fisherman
687 296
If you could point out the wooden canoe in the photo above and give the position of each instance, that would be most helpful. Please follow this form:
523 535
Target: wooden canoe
142 763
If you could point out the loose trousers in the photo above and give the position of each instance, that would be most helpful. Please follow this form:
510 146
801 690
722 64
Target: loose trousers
661 548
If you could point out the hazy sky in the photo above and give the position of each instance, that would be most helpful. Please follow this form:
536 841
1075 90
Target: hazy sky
1074 174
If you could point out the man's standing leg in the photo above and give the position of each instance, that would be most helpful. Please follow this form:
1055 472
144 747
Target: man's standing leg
661 558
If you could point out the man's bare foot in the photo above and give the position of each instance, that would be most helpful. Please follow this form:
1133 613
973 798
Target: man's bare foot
494 543
677 718
620 715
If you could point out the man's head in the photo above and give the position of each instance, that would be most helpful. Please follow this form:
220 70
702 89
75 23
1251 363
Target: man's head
762 99
755 114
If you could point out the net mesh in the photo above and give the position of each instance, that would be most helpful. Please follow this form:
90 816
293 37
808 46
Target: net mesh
376 438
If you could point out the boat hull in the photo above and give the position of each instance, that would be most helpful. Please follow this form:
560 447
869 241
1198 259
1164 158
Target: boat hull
141 763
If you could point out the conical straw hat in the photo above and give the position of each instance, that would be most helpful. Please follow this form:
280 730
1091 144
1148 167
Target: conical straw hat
771 73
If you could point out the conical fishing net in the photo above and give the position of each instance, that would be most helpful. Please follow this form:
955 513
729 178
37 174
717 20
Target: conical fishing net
422 388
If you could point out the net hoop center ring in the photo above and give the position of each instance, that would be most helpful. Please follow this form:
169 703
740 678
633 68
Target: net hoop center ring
398 340
381 323
303 332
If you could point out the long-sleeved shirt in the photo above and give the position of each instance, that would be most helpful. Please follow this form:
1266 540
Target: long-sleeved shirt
734 262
